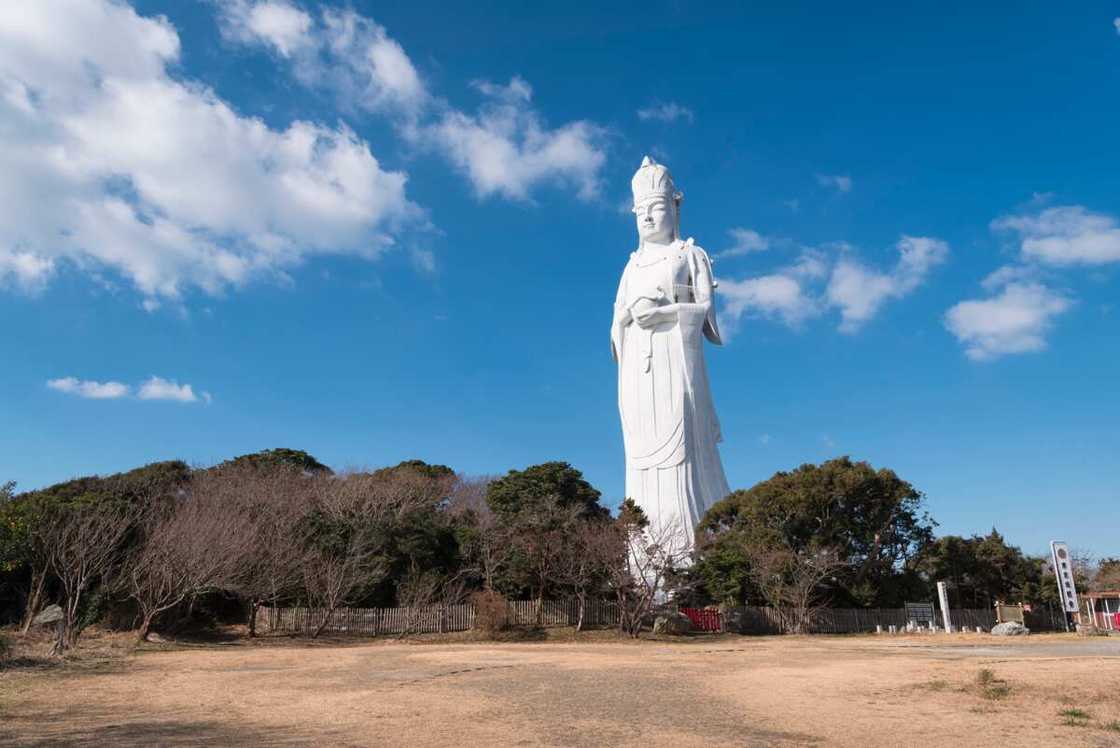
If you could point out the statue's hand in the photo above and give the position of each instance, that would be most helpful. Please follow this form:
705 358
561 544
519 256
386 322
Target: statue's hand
655 314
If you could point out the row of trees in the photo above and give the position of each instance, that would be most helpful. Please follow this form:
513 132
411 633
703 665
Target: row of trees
280 527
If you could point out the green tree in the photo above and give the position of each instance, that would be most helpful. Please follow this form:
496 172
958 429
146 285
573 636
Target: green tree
24 557
981 569
280 456
537 485
871 518
1107 577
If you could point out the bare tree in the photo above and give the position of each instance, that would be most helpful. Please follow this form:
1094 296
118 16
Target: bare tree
542 537
352 517
589 555
274 500
423 594
83 543
649 556
487 544
189 544
791 581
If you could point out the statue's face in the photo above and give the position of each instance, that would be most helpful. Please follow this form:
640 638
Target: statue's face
656 220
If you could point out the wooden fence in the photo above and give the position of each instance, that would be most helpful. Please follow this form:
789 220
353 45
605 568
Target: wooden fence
434 619
741 620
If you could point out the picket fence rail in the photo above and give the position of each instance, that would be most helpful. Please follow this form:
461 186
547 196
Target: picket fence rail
433 619
600 613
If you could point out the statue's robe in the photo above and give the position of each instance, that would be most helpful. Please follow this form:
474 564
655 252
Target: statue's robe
669 423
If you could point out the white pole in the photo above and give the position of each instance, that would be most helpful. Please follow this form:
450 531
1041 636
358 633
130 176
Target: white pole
943 597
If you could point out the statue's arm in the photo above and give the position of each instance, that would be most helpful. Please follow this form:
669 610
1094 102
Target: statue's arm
620 319
701 307
704 285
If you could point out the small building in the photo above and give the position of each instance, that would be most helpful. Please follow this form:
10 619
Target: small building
1103 608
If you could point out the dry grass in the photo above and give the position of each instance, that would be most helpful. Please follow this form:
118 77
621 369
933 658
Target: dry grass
569 689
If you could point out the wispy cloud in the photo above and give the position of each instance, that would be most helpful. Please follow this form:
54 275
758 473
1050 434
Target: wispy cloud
423 260
860 291
506 149
1116 24
339 50
89 389
831 278
155 388
1023 304
838 182
776 296
158 388
1064 235
1014 321
744 241
668 111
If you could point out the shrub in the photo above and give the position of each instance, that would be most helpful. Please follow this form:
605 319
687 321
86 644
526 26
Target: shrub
491 612
990 686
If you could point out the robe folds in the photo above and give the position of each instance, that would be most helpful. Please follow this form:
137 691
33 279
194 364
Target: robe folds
669 424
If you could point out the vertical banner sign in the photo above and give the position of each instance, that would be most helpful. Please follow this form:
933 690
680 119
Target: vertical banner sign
1063 570
943 598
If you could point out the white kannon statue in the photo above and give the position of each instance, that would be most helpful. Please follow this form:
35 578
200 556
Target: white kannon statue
664 310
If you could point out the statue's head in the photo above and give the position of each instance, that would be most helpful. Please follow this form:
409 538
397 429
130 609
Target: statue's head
657 204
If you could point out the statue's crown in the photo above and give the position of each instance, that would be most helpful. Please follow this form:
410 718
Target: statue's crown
652 180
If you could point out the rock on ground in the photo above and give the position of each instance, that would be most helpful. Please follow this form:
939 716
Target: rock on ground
673 624
48 615
1011 628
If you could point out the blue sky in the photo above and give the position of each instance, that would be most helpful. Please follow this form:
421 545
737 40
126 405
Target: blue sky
386 231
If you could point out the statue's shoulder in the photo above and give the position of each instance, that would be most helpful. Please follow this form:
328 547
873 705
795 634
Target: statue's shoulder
693 248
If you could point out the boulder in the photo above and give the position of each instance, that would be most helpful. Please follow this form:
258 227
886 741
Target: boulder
734 619
1011 628
48 615
672 624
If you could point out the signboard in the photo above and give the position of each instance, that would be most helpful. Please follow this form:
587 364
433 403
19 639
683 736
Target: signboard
1063 570
943 598
920 612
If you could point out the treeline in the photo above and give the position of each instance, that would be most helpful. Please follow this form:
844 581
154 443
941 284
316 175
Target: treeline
154 545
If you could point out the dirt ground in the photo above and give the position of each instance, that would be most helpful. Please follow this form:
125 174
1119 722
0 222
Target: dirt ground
592 691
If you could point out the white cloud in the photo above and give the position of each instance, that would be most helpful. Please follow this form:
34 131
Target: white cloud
777 296
669 111
838 182
276 23
1009 274
860 292
107 161
89 389
158 388
341 51
1065 235
799 291
1116 24
423 260
1015 321
155 388
506 149
503 149
28 271
744 241
764 439
811 265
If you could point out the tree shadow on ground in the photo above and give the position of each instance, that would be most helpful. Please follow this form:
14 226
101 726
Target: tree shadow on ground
94 727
